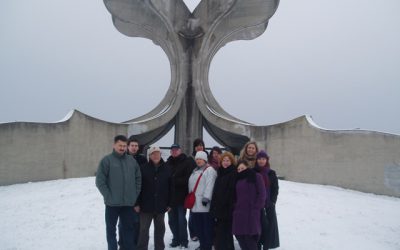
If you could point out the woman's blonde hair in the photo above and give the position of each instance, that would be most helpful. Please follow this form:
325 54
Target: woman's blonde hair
243 153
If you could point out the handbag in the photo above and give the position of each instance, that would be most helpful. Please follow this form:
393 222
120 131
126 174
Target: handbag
190 198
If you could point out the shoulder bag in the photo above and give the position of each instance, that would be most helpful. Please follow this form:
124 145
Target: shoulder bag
190 198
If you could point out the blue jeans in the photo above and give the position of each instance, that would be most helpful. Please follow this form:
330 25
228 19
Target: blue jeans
127 217
178 225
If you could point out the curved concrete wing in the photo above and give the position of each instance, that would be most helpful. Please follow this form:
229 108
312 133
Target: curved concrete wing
231 20
160 22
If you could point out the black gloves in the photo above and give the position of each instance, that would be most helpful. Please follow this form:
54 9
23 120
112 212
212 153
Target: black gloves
205 201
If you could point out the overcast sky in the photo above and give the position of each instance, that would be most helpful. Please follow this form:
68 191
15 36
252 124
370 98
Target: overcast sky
338 61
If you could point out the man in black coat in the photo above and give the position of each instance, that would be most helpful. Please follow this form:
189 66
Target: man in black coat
133 150
181 167
154 199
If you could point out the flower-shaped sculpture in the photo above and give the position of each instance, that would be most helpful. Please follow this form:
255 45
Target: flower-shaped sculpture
190 41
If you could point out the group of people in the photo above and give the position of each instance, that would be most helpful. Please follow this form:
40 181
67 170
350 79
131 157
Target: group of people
233 197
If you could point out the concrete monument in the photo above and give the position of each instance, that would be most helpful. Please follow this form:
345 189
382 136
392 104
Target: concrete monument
190 41
300 150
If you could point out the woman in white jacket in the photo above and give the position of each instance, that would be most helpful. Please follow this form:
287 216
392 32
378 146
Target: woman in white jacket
202 220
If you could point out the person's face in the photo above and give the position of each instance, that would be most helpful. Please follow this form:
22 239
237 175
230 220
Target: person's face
262 161
226 162
175 152
133 147
120 147
200 162
215 155
241 167
251 149
199 147
155 157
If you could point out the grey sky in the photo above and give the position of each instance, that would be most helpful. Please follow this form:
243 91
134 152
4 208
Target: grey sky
338 61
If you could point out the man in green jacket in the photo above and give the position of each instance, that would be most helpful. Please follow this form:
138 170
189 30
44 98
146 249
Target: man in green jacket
119 181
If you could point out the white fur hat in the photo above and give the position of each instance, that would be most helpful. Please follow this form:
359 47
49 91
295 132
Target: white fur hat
201 155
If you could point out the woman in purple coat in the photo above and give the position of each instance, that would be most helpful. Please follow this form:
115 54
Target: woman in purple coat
249 200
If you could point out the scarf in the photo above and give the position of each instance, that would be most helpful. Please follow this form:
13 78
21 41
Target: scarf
247 174
250 159
264 171
214 163
223 171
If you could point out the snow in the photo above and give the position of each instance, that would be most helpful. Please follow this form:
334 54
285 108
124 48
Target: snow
67 116
69 214
351 131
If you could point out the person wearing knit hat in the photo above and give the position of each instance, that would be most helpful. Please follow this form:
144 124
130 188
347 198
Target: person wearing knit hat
269 224
262 154
202 221
201 155
198 145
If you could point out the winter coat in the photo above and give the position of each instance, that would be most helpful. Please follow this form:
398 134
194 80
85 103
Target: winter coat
274 188
118 179
270 232
155 196
141 159
250 199
181 168
271 184
223 194
204 188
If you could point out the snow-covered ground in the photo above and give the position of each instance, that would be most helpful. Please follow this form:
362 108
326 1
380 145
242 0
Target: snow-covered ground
69 214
